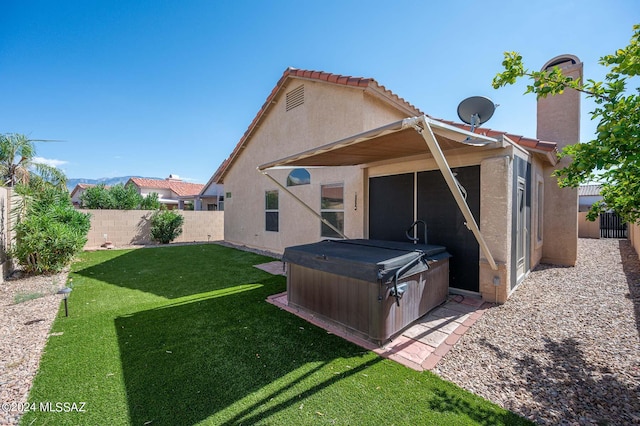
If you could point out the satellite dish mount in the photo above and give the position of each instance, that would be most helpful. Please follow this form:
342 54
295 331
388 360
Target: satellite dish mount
476 110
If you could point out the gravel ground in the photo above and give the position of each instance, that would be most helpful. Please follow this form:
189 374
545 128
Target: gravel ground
565 348
24 328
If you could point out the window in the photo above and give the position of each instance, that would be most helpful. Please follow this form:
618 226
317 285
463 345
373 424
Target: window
298 177
271 211
332 209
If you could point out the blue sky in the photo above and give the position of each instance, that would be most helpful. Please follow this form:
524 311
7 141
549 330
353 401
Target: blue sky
153 88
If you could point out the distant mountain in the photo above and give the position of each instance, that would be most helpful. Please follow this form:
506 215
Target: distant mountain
71 183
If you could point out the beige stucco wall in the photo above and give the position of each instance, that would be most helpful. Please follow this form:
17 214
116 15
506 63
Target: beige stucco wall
537 210
634 236
329 113
586 228
558 120
132 227
496 204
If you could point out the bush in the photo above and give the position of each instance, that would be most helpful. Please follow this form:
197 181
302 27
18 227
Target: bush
150 202
166 226
118 197
97 197
50 234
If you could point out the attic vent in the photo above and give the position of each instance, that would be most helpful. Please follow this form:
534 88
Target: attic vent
295 97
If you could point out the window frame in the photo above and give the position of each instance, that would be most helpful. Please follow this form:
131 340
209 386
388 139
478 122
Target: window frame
325 231
270 212
291 179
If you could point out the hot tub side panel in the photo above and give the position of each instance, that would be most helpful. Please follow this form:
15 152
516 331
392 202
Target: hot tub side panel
425 291
353 304
335 298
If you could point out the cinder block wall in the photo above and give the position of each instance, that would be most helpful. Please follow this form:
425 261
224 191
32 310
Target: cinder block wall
132 227
587 229
5 232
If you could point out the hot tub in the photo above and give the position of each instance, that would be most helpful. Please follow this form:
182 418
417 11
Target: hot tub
374 289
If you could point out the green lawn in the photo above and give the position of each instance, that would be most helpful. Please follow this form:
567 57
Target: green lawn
182 335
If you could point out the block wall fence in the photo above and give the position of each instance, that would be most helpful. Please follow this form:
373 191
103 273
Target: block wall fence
125 228
587 229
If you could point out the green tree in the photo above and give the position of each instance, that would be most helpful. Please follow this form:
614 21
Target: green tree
96 197
150 202
118 197
18 163
125 197
613 157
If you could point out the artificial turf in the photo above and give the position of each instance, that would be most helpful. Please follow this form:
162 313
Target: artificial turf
182 335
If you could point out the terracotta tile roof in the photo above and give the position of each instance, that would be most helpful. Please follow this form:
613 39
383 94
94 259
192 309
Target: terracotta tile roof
367 83
181 189
364 83
523 141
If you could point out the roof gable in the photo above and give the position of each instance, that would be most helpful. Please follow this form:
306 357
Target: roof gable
547 148
368 84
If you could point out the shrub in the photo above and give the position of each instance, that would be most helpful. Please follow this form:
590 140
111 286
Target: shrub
125 197
166 226
150 202
51 232
118 197
97 197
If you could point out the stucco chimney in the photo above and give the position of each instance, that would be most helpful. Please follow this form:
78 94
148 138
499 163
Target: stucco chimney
559 122
559 116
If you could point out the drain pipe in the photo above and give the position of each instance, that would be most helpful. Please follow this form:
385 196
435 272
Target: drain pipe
302 203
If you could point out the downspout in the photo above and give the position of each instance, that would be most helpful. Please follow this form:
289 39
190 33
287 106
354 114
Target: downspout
305 205
424 129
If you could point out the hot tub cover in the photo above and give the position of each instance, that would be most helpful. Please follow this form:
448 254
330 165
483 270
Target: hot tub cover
367 260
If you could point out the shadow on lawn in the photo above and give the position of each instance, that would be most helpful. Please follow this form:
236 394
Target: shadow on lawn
177 271
183 363
236 359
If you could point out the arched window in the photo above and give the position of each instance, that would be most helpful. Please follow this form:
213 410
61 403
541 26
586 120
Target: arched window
298 177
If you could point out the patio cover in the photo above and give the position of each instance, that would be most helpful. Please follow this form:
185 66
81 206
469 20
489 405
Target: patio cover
400 139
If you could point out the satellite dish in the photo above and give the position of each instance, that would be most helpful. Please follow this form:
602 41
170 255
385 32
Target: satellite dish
476 110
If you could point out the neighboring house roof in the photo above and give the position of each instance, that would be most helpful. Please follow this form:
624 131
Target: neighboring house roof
180 188
81 187
374 87
592 190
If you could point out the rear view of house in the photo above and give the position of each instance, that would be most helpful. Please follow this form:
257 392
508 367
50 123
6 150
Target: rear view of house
345 157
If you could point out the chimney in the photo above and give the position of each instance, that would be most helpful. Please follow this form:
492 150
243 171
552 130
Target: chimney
559 115
174 178
559 122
